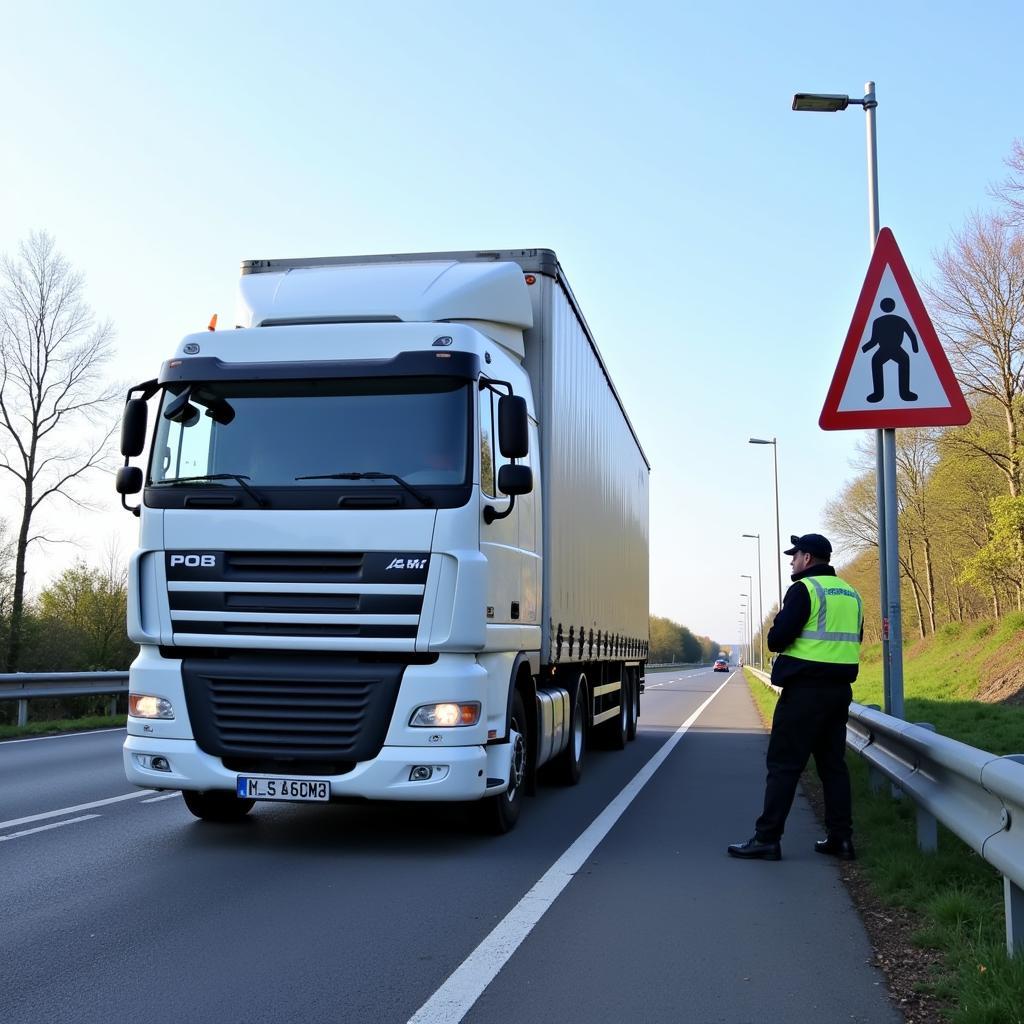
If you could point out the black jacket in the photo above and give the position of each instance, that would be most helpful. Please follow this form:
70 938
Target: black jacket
788 625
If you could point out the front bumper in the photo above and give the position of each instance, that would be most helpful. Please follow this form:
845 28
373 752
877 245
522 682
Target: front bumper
386 777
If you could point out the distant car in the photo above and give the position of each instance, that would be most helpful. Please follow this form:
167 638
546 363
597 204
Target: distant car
722 665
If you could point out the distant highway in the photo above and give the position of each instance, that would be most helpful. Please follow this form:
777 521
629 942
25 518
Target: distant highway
119 906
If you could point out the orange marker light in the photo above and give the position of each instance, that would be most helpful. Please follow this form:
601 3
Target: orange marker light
213 323
530 279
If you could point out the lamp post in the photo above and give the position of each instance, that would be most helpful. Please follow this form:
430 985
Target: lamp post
750 623
885 440
748 626
760 598
778 536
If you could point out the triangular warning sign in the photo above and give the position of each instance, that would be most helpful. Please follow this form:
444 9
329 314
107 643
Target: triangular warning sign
892 371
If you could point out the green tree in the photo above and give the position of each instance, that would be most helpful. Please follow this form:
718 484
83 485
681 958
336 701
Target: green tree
84 611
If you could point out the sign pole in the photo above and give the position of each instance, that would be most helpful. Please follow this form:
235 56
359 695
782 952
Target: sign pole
892 558
870 105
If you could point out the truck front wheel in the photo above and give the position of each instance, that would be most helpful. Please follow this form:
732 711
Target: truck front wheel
499 814
216 805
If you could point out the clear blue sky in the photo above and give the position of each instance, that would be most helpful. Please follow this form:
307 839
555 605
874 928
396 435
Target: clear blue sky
715 239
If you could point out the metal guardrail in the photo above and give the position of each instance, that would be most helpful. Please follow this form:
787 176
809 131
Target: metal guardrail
978 796
23 686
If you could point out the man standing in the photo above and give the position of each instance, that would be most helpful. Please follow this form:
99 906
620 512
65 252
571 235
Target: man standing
817 635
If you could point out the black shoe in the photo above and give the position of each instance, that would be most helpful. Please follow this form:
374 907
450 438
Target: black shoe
875 397
908 396
835 847
755 849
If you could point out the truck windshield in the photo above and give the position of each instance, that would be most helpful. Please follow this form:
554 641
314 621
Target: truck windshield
277 432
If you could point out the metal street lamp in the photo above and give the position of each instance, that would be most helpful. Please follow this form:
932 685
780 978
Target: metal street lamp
750 620
778 536
748 627
760 596
743 631
885 440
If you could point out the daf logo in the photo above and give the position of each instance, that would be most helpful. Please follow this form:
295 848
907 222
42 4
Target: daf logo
407 563
194 561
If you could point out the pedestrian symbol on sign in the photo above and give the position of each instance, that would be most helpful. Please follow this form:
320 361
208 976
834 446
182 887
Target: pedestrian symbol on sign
887 336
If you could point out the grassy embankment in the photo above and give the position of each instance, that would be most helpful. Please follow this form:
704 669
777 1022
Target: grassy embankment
951 680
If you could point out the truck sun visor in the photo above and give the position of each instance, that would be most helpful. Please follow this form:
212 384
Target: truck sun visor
405 364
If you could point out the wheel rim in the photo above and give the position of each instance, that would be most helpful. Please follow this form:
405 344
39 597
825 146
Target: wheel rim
577 725
518 766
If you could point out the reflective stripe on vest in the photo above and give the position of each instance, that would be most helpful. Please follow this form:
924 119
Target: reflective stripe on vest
832 632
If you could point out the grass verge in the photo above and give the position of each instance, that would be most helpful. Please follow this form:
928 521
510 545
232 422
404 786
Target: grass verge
10 732
955 902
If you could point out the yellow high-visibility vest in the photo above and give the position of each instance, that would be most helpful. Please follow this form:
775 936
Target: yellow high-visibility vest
832 632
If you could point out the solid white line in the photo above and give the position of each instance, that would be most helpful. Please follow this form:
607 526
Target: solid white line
44 828
464 986
64 735
77 807
163 796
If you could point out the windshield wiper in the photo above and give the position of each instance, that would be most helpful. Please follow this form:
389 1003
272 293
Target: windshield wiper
251 491
422 498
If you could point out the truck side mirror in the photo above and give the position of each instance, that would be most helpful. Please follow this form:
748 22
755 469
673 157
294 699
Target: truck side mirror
514 479
513 427
128 480
133 427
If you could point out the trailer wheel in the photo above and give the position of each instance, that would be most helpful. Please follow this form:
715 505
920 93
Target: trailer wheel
634 703
568 766
617 729
499 814
216 805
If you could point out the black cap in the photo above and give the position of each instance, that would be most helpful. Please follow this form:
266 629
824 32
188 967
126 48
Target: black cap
813 543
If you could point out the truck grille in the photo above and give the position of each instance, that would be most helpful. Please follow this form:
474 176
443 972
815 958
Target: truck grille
275 708
342 595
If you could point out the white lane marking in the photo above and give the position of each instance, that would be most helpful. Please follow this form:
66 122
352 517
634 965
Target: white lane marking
71 810
163 796
464 986
65 735
45 828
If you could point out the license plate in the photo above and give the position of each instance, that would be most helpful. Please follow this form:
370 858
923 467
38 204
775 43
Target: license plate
298 790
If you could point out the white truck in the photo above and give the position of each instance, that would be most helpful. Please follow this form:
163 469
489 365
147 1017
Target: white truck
393 540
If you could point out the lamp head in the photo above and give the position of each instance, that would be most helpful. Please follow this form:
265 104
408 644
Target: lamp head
819 102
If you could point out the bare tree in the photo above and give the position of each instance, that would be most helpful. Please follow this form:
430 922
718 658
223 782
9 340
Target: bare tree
978 301
54 402
1010 191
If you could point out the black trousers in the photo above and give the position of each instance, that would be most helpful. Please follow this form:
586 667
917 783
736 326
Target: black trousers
808 721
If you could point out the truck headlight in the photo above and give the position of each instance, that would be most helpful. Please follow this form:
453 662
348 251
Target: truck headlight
141 705
447 715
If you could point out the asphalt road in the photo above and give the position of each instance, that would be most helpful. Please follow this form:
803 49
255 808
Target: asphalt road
612 901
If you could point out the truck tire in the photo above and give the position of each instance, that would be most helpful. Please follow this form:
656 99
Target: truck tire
499 814
634 703
216 805
568 766
616 730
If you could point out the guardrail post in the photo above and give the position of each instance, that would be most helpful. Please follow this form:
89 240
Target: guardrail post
927 826
1013 899
23 712
112 707
876 780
